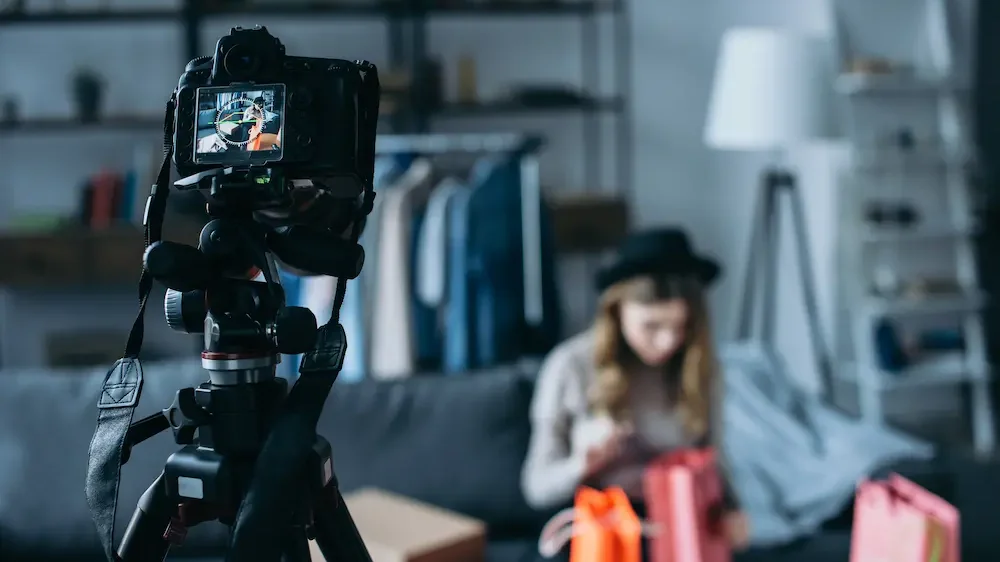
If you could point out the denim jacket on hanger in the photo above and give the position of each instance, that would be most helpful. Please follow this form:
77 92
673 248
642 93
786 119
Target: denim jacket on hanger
486 324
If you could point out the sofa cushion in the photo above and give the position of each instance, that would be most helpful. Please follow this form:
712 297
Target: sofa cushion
455 442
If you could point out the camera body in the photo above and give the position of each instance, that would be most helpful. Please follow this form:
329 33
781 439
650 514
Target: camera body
274 122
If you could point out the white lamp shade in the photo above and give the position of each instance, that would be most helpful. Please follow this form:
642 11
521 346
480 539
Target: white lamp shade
772 90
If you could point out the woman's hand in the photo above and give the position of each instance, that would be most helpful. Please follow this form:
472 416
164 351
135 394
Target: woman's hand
600 456
736 526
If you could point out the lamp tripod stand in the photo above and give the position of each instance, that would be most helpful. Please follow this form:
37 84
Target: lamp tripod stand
762 267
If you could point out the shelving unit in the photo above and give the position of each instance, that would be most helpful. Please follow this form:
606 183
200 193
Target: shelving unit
451 110
923 166
407 21
77 258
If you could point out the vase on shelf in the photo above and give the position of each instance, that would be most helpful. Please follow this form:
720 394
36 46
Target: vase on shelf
88 93
9 113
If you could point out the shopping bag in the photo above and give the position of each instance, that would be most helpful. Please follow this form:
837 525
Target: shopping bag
600 527
684 496
898 521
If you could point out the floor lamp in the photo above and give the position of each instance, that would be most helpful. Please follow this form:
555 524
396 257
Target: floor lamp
773 92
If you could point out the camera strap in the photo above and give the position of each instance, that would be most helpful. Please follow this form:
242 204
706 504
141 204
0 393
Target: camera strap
123 383
271 498
287 447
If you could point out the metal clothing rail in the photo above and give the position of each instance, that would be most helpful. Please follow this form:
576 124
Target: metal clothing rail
527 148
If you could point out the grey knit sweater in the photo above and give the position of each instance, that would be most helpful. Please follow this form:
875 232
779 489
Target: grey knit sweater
564 428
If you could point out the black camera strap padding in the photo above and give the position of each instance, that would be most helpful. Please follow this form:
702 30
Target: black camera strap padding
271 499
123 384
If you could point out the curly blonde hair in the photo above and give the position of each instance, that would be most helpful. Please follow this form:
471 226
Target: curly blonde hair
695 362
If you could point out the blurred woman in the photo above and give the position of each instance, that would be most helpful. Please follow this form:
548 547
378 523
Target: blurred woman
642 381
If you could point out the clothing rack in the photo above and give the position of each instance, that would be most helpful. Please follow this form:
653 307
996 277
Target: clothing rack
526 147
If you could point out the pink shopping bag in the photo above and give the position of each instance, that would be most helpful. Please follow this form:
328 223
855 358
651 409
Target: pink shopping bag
684 501
898 521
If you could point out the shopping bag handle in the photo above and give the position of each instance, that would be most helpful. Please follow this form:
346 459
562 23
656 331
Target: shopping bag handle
560 529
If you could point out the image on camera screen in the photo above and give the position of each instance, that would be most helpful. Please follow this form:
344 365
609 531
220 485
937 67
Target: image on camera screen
239 125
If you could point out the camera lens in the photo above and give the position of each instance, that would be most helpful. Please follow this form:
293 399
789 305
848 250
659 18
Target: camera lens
241 62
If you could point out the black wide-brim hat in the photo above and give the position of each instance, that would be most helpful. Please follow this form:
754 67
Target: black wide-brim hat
662 251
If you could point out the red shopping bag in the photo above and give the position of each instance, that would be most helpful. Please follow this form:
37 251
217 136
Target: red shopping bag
898 521
684 502
600 527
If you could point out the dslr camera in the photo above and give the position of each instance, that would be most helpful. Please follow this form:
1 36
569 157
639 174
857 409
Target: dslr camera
283 148
253 125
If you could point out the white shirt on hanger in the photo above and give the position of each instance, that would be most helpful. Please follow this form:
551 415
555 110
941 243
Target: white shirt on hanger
392 345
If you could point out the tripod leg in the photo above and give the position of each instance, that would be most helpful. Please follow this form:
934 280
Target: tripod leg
297 546
143 540
337 536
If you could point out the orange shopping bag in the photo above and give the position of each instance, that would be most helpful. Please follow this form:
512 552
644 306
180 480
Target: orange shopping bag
600 527
898 521
684 501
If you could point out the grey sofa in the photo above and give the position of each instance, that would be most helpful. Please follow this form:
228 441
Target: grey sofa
456 442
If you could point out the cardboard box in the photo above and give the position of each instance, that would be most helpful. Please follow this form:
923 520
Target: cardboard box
399 529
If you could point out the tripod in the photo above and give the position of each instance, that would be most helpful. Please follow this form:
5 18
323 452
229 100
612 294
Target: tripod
250 456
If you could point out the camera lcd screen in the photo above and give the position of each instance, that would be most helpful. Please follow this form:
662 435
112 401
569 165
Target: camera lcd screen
240 125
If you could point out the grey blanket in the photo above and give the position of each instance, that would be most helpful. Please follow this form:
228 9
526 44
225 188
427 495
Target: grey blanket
795 462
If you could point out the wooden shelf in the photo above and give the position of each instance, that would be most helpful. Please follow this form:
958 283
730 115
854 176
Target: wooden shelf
69 125
514 107
520 7
856 84
347 9
79 257
89 16
374 9
126 123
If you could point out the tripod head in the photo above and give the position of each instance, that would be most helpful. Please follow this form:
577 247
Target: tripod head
227 289
217 290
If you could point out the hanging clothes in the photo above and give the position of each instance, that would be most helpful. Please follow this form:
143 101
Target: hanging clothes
430 269
485 319
426 331
431 261
458 354
356 312
392 344
292 285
